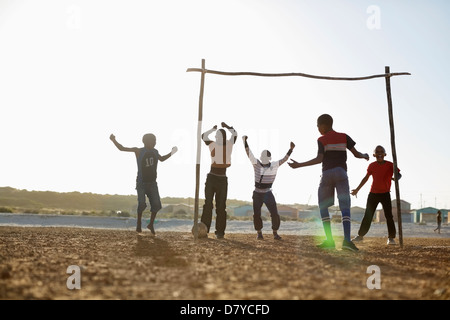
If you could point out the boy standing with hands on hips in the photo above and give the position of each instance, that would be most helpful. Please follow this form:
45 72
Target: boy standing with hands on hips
332 154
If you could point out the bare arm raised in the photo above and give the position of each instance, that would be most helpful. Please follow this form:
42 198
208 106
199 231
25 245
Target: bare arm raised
112 137
167 156
288 154
248 151
233 132
205 135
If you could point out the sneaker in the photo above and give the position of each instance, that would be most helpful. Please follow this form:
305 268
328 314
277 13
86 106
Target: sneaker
350 246
391 242
327 244
276 236
357 239
220 236
259 236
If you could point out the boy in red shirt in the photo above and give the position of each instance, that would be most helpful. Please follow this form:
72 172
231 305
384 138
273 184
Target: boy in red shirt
382 172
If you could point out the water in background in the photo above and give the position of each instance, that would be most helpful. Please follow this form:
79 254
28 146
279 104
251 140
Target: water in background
181 225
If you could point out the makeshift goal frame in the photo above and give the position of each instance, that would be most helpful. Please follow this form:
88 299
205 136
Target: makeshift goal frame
387 75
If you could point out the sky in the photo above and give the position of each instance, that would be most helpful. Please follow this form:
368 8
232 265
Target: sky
72 72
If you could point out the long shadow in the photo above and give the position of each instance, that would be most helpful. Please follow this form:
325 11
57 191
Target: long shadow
247 245
159 250
237 244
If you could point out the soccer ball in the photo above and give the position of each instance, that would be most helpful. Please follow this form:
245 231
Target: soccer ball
202 230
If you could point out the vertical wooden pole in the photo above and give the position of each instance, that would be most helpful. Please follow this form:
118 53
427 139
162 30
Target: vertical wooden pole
394 155
199 140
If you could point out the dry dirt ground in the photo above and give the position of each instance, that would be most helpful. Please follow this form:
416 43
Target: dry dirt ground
120 264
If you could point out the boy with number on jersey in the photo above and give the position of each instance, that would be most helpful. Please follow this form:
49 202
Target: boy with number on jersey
146 185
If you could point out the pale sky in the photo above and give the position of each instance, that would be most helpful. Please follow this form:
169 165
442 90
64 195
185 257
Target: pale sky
72 72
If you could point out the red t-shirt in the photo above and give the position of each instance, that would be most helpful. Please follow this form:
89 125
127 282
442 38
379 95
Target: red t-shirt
382 176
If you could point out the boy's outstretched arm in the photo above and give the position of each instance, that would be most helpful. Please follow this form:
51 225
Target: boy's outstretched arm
246 146
112 137
288 154
363 182
167 156
359 155
248 151
294 164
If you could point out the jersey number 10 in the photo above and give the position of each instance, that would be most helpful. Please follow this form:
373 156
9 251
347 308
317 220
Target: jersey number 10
148 162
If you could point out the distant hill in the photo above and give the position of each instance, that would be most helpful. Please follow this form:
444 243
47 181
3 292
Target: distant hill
70 201
15 200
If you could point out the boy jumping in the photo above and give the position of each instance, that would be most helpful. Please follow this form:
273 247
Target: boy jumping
147 162
216 185
265 174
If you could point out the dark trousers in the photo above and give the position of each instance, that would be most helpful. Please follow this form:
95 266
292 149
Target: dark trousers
372 202
216 187
268 199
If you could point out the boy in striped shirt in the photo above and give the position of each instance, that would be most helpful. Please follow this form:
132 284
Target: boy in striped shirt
332 153
265 174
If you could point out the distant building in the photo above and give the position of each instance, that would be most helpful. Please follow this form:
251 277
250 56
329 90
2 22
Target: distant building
405 212
357 213
405 205
428 215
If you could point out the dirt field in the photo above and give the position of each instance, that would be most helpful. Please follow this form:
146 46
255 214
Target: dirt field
116 264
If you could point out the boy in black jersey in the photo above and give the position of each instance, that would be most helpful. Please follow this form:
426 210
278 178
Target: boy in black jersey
147 162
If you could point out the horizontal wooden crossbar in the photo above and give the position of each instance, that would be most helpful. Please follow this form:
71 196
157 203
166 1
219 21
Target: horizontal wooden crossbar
293 74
